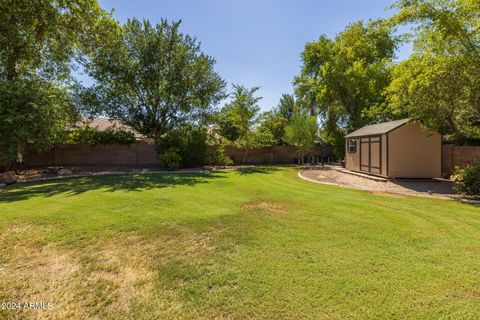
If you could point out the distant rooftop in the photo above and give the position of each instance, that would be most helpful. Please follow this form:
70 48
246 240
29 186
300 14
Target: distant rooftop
379 128
103 124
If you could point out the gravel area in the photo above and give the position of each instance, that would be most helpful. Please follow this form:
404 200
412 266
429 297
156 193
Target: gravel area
429 188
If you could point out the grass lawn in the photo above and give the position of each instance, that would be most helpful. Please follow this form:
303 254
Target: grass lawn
260 243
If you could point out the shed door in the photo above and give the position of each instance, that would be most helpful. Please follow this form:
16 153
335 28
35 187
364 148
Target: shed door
371 154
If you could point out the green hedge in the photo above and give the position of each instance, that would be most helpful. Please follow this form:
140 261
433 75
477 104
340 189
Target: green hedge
87 135
467 179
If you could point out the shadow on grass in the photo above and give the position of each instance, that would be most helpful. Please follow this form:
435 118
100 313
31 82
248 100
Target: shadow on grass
261 170
132 182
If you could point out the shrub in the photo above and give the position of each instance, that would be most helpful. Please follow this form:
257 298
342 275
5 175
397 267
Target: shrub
87 135
216 156
170 159
190 143
467 179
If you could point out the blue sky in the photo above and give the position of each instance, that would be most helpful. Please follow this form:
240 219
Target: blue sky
256 42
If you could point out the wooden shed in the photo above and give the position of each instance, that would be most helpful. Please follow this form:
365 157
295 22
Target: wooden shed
396 149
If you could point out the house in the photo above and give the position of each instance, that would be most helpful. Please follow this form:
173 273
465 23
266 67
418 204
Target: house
396 149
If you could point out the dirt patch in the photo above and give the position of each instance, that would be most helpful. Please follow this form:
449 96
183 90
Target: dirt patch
438 189
101 279
389 194
266 206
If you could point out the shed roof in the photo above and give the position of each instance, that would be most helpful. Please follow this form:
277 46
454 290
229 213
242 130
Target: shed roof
379 128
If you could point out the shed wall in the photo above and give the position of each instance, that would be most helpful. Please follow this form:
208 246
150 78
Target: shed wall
352 160
414 152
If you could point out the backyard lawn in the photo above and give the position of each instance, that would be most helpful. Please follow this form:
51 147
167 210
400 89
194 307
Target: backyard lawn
257 243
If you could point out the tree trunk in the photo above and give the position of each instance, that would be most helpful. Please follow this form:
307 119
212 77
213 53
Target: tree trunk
244 156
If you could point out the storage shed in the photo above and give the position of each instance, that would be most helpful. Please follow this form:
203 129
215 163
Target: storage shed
396 149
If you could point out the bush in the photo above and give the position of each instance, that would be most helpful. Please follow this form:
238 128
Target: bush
467 179
190 143
170 159
87 135
195 146
216 156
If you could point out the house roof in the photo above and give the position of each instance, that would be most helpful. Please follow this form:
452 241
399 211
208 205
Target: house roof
103 124
379 128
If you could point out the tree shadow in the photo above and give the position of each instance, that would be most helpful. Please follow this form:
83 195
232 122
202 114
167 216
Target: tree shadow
258 170
438 187
434 187
129 182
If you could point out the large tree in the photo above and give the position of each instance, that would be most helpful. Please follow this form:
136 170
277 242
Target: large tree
40 38
33 115
39 41
440 83
343 79
154 78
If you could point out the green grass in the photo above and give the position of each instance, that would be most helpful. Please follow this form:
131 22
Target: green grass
260 243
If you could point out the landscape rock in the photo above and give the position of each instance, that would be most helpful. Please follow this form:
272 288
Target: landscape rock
65 172
208 168
8 177
2 185
53 170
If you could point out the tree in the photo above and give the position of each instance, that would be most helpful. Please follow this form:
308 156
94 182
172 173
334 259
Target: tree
33 115
343 79
243 114
154 79
440 83
286 106
274 124
40 38
302 132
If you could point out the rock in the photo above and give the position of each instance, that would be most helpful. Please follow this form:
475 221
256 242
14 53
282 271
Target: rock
8 177
53 170
65 172
208 168
2 185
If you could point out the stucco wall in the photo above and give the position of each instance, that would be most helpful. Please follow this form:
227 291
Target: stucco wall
414 152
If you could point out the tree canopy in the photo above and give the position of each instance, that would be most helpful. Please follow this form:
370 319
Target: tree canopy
33 115
440 83
241 116
40 38
39 42
343 79
154 79
302 132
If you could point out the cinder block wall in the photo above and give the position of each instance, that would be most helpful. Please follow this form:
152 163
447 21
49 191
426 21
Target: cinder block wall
453 156
274 155
86 155
146 155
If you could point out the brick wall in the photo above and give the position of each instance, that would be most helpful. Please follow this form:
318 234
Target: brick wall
453 156
146 154
274 155
85 155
